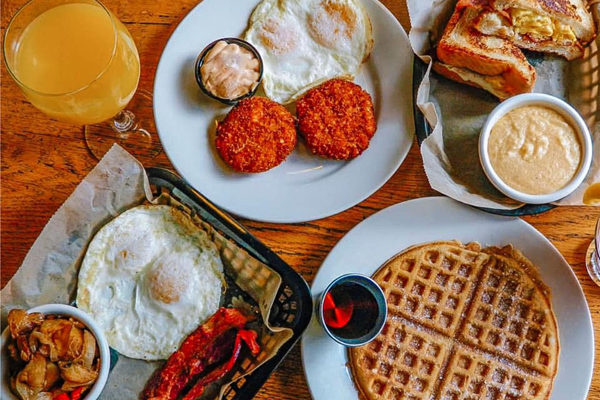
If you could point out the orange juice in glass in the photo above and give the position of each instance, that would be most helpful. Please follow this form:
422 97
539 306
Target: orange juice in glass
592 259
73 60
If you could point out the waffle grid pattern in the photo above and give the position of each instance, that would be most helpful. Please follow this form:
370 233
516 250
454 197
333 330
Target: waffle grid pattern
432 289
496 343
407 362
473 377
507 320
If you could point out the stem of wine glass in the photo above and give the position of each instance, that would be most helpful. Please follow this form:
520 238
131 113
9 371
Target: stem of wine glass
126 129
125 122
592 259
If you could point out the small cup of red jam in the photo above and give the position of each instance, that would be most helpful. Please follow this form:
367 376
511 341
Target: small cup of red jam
352 310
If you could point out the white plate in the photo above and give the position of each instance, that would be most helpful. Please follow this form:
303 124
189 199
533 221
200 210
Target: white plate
305 187
386 233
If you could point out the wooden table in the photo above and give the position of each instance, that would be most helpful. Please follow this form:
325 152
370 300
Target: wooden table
43 160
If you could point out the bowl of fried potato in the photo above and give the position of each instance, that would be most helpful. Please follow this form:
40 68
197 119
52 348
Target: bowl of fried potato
53 352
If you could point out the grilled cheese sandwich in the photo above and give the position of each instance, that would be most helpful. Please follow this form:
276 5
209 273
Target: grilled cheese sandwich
481 43
492 63
561 27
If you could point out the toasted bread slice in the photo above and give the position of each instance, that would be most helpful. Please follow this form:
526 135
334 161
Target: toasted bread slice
491 63
561 27
491 83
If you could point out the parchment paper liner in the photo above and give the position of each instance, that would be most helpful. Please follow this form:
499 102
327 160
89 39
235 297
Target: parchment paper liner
450 153
49 272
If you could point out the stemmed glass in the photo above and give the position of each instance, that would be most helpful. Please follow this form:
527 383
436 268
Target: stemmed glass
592 259
76 62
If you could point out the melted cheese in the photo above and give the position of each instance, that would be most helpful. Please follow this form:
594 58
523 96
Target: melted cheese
563 33
540 27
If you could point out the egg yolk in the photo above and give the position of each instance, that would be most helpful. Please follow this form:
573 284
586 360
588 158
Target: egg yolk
332 25
167 284
280 39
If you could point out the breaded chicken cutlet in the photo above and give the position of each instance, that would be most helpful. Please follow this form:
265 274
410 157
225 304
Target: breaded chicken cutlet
257 135
336 119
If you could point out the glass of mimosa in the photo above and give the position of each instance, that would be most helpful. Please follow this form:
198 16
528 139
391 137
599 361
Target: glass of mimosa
592 259
76 62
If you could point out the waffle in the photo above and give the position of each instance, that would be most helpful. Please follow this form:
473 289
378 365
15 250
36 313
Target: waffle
472 375
511 314
463 324
402 361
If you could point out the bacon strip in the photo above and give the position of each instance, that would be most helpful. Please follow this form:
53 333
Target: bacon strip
247 336
207 345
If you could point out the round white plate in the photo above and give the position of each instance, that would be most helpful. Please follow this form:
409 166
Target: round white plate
386 233
305 187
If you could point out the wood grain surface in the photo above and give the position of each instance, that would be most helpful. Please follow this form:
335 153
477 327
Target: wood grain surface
43 160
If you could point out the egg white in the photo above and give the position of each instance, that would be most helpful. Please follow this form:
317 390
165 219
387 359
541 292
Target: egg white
306 42
149 278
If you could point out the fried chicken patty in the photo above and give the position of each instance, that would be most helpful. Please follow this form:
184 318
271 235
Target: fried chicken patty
256 135
336 119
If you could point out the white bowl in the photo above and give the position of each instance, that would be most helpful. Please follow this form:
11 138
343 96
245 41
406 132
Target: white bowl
556 104
62 309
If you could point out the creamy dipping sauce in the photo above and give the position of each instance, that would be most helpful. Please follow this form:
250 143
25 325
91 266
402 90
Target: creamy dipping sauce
534 150
229 70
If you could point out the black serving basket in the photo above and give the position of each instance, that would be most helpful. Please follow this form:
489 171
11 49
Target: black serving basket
292 307
423 130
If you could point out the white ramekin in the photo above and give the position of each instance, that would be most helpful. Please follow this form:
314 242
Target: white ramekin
556 104
62 309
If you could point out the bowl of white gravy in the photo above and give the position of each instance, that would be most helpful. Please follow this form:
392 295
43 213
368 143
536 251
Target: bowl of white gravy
535 148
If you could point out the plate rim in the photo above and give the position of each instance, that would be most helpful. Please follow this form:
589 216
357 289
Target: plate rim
571 275
346 205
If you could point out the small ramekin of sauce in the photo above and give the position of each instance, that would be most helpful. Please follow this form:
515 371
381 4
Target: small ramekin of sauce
229 70
535 148
352 310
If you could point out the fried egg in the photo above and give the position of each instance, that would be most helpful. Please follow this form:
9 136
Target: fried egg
306 42
148 279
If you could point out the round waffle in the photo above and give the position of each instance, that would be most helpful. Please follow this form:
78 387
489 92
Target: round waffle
464 323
